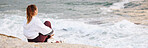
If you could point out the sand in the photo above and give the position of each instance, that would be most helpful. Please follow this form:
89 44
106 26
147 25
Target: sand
14 42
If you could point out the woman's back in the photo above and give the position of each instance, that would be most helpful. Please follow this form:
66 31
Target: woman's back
35 27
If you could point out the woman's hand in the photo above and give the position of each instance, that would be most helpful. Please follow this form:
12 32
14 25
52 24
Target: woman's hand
50 33
50 36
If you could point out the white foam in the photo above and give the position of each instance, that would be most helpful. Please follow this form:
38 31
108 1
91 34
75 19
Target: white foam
117 5
120 5
12 25
123 34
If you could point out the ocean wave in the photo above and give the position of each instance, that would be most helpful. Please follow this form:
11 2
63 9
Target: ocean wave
122 34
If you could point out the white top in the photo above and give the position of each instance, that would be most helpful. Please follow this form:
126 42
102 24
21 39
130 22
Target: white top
35 27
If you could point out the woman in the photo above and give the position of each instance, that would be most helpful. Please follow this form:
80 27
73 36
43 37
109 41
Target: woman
34 29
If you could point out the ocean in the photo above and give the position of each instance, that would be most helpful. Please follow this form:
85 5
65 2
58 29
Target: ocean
87 22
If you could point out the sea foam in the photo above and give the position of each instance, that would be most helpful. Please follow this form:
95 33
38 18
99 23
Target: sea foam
122 34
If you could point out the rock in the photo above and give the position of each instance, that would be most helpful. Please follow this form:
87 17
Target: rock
14 42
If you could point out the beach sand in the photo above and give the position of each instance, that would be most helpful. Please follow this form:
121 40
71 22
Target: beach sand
14 42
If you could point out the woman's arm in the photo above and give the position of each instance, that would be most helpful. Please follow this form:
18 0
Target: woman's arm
42 28
50 33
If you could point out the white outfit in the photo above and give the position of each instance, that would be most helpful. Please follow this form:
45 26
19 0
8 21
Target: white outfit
35 27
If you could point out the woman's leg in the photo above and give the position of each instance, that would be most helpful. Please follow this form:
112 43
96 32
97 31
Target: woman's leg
40 38
48 24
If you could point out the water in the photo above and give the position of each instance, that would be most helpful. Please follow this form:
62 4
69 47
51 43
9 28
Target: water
77 22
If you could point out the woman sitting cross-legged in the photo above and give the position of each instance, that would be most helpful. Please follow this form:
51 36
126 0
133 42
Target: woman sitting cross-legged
34 29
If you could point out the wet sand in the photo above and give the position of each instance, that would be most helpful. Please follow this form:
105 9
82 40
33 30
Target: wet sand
136 12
